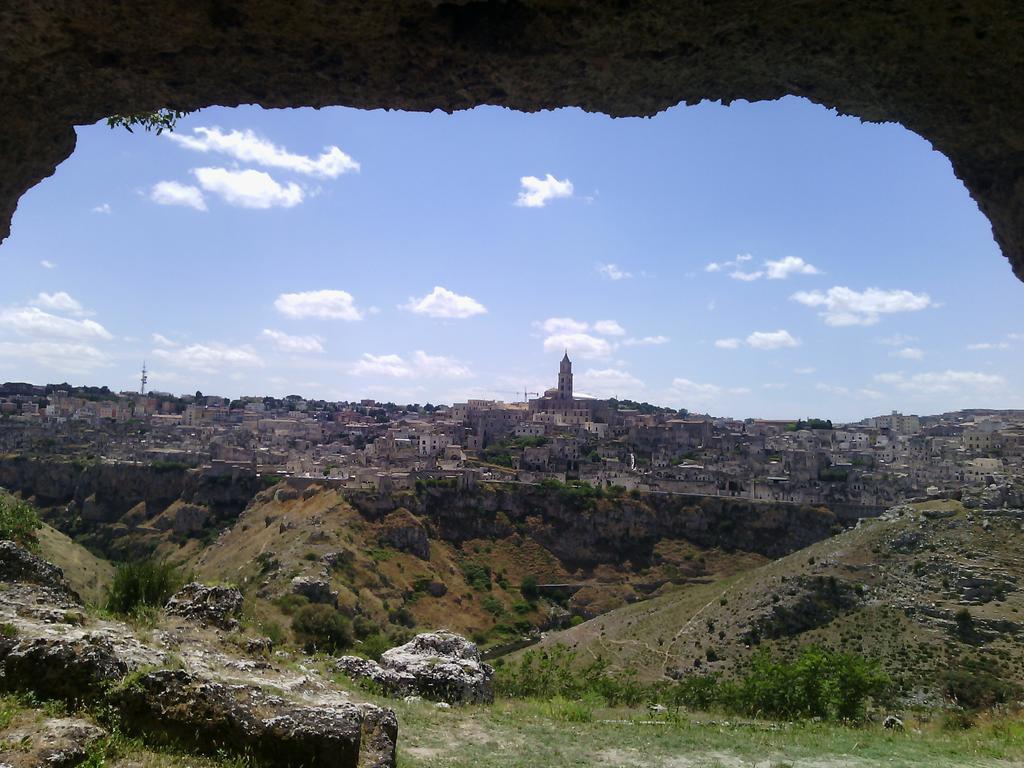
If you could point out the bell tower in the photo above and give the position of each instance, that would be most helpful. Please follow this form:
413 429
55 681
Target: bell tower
565 378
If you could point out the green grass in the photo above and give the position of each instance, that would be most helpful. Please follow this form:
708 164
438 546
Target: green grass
550 734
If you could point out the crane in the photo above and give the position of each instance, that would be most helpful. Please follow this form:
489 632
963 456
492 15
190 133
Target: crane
524 393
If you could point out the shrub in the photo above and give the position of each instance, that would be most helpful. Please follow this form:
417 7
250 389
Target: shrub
974 688
493 606
373 646
19 522
965 629
145 584
528 588
321 627
274 631
290 603
820 683
477 576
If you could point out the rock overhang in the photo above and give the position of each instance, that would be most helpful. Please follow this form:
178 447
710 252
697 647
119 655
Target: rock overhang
950 72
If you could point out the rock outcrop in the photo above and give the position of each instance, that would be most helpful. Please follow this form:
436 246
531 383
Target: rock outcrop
207 605
440 666
17 564
314 590
404 532
211 717
950 72
60 742
211 703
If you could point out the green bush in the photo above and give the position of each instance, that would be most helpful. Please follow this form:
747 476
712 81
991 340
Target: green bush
493 606
477 576
320 627
820 683
974 688
145 584
528 588
19 522
373 646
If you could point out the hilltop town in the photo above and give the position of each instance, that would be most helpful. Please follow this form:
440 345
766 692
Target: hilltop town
559 435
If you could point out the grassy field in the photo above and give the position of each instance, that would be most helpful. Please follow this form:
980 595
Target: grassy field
543 734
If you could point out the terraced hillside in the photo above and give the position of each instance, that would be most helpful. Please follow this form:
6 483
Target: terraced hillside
931 590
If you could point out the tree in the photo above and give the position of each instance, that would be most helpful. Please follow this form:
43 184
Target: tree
528 588
158 120
19 522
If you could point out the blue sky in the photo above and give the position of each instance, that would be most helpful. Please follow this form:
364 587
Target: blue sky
769 259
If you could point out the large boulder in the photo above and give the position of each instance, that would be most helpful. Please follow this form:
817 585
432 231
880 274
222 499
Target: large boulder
441 666
76 669
18 564
212 717
52 743
314 590
207 605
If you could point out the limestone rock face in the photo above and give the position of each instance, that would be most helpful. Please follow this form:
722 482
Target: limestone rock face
54 743
440 666
207 605
212 716
405 533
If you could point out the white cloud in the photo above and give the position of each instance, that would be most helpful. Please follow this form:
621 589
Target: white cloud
65 357
422 365
746 277
176 193
989 345
102 208
608 382
286 343
897 340
47 264
609 328
247 147
832 389
32 321
443 303
646 341
728 343
163 341
870 394
789 265
249 188
210 357
324 304
535 192
804 371
943 381
779 269
60 301
842 306
702 394
578 345
772 340
908 353
612 272
438 366
564 325
382 365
